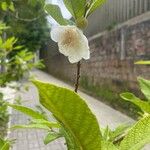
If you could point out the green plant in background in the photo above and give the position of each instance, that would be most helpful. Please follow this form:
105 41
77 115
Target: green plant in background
21 64
15 60
15 64
28 23
144 105
17 67
7 5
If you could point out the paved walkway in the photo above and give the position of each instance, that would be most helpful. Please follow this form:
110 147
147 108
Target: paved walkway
32 139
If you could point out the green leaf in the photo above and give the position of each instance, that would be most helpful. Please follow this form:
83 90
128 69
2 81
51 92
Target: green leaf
138 136
142 62
119 131
94 5
76 7
3 26
47 123
28 111
8 45
106 133
31 126
1 143
108 146
11 6
4 145
55 12
145 87
4 6
144 106
51 137
73 114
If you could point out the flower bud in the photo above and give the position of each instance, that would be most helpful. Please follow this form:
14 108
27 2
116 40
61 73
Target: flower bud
82 23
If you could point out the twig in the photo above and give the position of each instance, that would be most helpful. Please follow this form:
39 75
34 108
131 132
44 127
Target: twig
77 77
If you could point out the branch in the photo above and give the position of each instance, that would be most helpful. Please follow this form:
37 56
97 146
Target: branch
77 77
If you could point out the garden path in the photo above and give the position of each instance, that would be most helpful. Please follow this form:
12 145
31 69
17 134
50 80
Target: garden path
32 139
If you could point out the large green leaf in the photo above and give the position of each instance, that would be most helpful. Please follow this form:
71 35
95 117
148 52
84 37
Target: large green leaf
144 106
145 87
76 7
138 136
94 5
55 12
28 111
73 113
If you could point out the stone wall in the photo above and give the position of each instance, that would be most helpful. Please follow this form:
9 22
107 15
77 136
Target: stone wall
113 54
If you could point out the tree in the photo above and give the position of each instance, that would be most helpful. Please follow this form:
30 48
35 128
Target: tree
28 23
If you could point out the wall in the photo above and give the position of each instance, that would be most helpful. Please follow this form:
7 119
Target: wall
114 12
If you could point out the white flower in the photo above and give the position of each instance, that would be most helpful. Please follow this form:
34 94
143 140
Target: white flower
71 42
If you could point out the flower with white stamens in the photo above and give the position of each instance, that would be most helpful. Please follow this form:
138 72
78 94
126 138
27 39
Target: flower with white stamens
71 42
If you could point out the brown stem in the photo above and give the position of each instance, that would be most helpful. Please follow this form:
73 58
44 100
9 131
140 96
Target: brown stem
77 77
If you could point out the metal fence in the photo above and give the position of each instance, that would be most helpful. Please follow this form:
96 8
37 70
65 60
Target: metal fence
116 11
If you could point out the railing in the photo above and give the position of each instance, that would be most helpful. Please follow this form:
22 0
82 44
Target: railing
114 12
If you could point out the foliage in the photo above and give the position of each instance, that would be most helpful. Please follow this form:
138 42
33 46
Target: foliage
7 5
144 105
115 136
65 116
76 8
4 144
93 5
28 23
75 119
15 60
57 15
17 67
21 65
80 10
138 136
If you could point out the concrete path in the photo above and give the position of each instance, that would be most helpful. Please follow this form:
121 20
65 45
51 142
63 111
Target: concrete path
32 139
